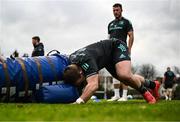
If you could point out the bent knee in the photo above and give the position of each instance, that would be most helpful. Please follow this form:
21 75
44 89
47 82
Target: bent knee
125 77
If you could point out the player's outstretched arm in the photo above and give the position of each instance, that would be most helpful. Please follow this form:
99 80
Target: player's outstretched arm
90 89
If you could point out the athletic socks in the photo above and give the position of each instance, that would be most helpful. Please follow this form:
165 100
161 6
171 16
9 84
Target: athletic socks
116 92
142 89
124 95
149 84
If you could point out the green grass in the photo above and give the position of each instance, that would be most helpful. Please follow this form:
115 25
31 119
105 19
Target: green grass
133 110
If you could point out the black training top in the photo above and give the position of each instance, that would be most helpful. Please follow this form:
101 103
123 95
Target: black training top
38 50
103 54
119 29
169 77
93 57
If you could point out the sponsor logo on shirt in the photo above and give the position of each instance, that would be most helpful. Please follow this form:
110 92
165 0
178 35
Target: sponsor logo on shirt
121 22
85 66
122 48
122 56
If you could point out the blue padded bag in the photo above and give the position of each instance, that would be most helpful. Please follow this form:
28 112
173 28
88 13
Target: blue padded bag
25 73
61 93
52 68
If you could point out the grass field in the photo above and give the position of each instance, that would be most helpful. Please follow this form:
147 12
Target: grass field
133 110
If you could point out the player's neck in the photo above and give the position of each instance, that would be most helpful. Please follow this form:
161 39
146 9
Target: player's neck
119 18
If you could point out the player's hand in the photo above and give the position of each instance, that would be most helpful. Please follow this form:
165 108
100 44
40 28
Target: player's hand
74 103
79 101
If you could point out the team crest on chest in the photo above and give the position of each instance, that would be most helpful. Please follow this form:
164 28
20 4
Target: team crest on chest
121 22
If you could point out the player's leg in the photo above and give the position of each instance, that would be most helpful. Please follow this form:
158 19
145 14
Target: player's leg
166 92
121 54
153 85
170 93
124 74
124 92
121 60
116 85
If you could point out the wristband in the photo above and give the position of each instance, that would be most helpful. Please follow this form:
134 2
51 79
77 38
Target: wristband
80 101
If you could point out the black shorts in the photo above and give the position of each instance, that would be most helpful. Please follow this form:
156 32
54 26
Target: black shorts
168 86
120 53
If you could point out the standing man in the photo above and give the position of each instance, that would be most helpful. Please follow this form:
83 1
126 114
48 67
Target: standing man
38 47
119 29
168 80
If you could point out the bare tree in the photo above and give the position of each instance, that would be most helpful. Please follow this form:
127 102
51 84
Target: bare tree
134 68
148 71
176 70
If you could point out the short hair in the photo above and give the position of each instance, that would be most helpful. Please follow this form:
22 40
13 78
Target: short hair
36 38
117 5
168 68
71 74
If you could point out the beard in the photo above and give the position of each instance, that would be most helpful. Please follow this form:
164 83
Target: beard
34 45
117 16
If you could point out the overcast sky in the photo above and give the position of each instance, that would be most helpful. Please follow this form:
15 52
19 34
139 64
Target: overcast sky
67 25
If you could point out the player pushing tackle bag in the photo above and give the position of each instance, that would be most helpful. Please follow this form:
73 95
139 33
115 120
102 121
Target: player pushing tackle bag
19 77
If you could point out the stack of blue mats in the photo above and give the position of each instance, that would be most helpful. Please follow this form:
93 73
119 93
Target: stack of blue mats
59 93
